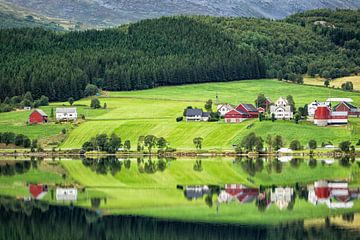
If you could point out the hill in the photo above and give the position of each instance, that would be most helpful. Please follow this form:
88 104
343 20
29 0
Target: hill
104 13
12 16
153 111
168 51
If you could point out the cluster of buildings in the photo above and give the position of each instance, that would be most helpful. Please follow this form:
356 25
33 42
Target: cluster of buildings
38 191
61 114
334 194
321 113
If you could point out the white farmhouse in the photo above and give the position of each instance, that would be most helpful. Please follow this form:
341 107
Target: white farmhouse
196 115
281 109
224 108
66 194
66 114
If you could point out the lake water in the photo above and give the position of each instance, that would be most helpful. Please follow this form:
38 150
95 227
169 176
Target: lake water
267 203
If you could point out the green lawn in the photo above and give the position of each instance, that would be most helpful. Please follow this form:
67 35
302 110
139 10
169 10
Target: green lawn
153 111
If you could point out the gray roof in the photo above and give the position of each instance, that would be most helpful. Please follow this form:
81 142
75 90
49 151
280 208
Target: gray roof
42 113
65 110
250 107
206 114
194 112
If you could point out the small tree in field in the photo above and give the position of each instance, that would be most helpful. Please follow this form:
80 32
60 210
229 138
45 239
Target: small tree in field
150 141
295 145
127 145
273 117
312 144
95 103
345 146
198 142
71 101
208 105
277 142
296 118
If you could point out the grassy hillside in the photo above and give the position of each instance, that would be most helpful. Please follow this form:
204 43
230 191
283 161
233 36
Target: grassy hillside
136 113
336 83
132 114
13 16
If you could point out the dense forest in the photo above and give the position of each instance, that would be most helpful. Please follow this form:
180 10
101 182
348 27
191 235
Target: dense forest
151 53
177 50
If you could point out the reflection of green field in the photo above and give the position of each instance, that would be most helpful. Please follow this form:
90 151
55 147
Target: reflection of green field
131 192
135 193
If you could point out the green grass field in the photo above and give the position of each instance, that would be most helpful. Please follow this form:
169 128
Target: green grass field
136 113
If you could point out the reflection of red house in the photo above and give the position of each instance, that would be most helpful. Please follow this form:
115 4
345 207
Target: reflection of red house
38 116
241 192
38 191
347 107
248 109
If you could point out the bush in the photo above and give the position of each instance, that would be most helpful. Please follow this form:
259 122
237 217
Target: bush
91 90
95 103
179 119
295 145
312 144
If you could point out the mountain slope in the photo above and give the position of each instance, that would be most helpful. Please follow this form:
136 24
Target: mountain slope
12 16
113 12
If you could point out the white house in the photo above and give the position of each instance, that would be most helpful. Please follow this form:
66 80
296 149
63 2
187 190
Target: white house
282 196
312 107
66 114
66 194
196 115
224 108
281 109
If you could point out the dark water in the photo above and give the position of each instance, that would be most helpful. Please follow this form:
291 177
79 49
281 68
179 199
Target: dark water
38 220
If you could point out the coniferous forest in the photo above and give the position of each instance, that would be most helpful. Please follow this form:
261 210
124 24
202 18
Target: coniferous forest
174 51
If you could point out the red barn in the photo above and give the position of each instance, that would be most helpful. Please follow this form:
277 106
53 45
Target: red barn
236 116
324 116
347 107
38 116
248 109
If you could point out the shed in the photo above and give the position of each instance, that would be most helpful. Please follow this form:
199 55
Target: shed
38 116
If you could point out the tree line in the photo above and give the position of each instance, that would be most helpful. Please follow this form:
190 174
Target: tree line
150 53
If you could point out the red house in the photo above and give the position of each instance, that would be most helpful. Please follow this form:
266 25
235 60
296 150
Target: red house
347 107
248 109
236 116
38 191
324 116
38 116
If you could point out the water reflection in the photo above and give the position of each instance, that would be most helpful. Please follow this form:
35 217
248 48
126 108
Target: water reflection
38 220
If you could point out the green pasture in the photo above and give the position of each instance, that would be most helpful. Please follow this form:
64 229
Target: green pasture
135 113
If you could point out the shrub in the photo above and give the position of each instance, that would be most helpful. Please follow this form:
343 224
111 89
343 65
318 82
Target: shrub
179 119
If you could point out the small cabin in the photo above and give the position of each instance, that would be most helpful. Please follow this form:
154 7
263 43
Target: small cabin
38 116
66 114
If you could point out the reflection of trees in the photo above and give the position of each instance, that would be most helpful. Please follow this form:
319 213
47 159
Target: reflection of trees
103 165
348 217
277 165
60 222
312 162
295 162
345 161
12 168
248 166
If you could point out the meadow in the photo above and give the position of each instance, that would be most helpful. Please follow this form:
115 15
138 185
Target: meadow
135 113
336 83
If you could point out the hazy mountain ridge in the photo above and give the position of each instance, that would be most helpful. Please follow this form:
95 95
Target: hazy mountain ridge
114 12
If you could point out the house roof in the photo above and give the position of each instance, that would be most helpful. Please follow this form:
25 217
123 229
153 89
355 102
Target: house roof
41 112
339 100
194 112
65 110
350 106
236 112
249 107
